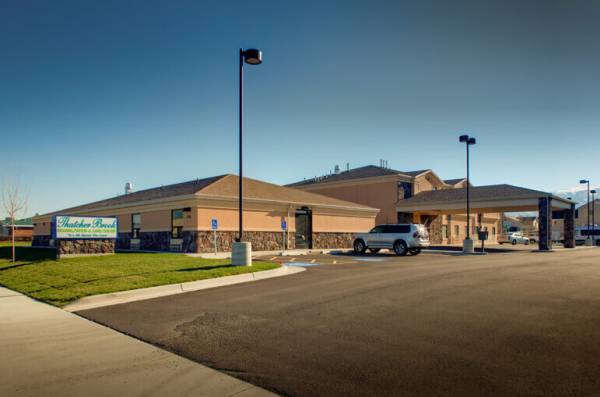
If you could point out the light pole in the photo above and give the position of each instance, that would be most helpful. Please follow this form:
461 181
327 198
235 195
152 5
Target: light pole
588 241
241 252
593 192
468 243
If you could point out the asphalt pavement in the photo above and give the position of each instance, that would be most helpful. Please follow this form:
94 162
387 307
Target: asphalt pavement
518 324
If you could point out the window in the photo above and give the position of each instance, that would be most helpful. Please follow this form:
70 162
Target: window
397 229
493 231
377 229
456 230
445 231
136 224
176 223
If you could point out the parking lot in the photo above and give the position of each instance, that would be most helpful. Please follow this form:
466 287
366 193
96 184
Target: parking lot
505 324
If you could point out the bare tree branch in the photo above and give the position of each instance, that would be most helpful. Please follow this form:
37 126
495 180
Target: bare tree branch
14 201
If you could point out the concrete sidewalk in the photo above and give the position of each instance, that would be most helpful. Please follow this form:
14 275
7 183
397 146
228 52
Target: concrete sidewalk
47 351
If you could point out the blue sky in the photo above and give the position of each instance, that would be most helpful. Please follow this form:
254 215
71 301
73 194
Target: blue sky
95 94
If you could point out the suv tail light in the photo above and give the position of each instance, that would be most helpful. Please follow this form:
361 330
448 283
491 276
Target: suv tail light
416 234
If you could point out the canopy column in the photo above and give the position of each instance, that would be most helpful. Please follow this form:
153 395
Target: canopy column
545 223
569 227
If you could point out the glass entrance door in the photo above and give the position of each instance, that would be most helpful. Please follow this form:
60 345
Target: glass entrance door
303 228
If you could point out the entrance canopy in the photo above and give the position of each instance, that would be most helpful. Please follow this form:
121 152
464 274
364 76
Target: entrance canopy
498 198
492 198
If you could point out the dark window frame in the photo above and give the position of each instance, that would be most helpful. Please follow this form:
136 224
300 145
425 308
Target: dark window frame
135 231
177 231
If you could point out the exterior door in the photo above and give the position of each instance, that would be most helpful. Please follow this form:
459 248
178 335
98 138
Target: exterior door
303 228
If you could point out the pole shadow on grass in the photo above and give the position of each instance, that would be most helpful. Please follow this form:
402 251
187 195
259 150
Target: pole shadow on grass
29 255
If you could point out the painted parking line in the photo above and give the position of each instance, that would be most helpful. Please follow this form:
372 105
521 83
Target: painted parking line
302 264
368 259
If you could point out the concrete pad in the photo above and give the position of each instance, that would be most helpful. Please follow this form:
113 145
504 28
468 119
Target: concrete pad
47 351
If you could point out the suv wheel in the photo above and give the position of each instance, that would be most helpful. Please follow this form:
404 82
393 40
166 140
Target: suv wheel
400 248
359 247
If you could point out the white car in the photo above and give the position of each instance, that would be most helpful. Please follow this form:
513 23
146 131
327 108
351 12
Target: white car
514 238
401 238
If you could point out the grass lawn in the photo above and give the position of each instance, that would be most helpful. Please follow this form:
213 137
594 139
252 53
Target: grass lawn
4 243
37 274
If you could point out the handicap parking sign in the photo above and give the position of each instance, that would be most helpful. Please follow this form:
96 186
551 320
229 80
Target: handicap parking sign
214 224
283 224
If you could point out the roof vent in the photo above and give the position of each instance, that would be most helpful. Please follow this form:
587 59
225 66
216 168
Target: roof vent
128 187
336 169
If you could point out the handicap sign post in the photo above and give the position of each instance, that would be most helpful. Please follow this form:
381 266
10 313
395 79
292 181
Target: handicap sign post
283 230
214 225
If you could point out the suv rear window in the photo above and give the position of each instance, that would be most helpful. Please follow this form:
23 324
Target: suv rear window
397 229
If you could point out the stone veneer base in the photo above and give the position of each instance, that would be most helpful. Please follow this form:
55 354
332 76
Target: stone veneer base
202 241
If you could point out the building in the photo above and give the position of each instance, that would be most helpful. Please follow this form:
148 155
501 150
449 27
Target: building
581 218
23 229
385 188
180 217
524 224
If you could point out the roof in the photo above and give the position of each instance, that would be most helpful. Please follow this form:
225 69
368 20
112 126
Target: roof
368 171
256 189
218 186
20 222
177 189
454 181
584 205
489 192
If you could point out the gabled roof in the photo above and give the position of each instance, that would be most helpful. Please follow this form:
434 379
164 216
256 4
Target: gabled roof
592 203
255 189
177 189
368 171
223 186
415 173
454 181
489 192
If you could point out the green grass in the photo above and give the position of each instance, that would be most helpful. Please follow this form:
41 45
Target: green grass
59 282
4 243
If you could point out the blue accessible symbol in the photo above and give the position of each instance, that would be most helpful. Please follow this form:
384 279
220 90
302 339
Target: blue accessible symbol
283 224
214 224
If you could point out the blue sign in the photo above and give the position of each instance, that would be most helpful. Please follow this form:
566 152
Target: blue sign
214 224
283 224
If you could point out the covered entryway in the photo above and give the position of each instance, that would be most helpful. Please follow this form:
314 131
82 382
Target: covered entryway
495 199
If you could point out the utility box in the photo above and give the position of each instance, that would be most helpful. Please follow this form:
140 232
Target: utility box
483 235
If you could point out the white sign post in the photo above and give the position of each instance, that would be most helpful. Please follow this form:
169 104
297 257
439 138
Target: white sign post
214 224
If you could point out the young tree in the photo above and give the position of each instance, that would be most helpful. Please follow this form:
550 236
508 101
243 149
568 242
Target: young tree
14 201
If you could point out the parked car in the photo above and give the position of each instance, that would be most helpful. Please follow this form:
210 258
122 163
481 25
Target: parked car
401 238
514 239
582 234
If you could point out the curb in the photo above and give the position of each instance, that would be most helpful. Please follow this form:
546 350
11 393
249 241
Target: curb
258 254
116 298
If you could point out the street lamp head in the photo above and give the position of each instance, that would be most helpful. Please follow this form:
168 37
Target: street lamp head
463 138
593 191
253 56
471 141
583 181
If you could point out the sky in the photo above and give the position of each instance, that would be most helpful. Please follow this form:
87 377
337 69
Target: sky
95 94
